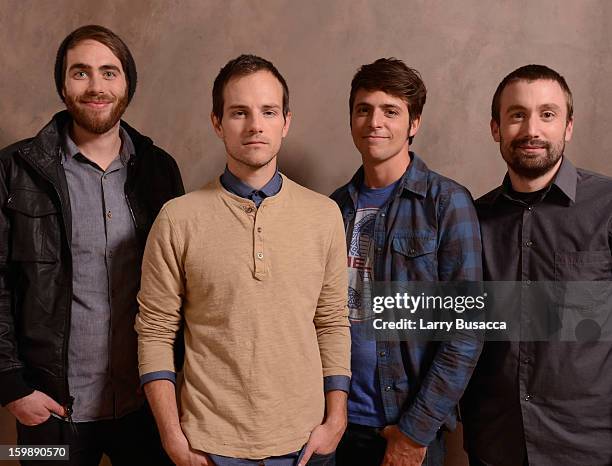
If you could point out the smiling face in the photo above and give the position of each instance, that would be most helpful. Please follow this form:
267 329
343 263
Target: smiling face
95 87
253 126
380 126
533 126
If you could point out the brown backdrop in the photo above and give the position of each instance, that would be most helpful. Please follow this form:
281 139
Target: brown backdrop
462 49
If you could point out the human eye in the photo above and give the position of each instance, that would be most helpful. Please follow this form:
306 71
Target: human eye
363 110
79 75
391 113
238 114
548 115
517 116
270 113
109 74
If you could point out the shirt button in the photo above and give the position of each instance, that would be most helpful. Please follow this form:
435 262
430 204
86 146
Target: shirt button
260 255
382 215
104 177
526 360
109 214
528 243
249 210
412 252
527 282
530 208
527 397
387 388
259 229
382 353
378 249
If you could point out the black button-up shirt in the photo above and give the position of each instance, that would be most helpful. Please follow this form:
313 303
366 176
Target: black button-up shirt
549 403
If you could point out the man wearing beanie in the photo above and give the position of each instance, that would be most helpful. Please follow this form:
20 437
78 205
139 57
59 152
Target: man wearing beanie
77 202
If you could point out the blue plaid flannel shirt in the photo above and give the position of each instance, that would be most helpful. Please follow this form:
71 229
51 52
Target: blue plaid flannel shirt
427 231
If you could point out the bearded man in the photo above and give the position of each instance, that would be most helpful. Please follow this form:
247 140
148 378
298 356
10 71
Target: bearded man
77 202
541 402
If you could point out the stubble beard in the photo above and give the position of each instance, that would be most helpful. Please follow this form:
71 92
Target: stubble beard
529 166
253 164
92 120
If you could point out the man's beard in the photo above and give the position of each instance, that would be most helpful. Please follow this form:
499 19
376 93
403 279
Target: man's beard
527 165
91 119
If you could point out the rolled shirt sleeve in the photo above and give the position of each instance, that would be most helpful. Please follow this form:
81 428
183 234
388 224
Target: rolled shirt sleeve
160 299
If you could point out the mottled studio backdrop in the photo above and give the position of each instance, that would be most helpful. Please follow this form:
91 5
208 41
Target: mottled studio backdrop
462 49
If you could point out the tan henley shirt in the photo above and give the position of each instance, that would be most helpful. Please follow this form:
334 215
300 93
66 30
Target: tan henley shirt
263 296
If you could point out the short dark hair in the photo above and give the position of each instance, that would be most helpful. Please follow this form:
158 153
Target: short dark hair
392 76
531 73
104 36
243 66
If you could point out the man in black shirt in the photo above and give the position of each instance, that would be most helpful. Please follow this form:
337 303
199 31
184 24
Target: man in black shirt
541 402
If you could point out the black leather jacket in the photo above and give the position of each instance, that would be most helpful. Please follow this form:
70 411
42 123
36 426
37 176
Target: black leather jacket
35 256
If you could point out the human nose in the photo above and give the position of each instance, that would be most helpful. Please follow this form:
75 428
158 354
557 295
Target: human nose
531 126
95 85
255 123
375 119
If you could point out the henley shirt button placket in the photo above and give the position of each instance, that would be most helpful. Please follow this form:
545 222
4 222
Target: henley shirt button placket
258 245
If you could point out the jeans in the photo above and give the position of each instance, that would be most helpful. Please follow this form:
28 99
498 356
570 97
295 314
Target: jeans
286 460
128 441
364 446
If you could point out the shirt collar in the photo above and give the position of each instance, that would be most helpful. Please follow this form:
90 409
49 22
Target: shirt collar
125 152
414 178
234 185
565 180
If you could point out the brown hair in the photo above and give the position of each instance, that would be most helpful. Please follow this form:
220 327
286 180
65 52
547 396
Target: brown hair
243 66
531 73
104 36
392 76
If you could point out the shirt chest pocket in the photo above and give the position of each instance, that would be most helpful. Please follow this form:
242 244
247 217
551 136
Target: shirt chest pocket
34 226
414 258
583 265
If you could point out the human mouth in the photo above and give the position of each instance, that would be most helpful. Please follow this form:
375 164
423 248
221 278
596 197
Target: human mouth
97 104
255 143
530 145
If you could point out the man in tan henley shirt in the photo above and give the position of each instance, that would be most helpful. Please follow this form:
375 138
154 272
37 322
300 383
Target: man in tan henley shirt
254 265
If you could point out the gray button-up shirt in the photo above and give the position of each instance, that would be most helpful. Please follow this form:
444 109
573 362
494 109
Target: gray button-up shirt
102 361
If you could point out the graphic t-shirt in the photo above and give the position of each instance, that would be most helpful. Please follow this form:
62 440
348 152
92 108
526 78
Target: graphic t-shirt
365 401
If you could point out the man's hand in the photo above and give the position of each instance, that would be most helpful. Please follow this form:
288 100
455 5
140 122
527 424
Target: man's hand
162 399
35 408
324 439
182 454
401 450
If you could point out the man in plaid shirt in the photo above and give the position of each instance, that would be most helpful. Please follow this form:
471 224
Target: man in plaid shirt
404 223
